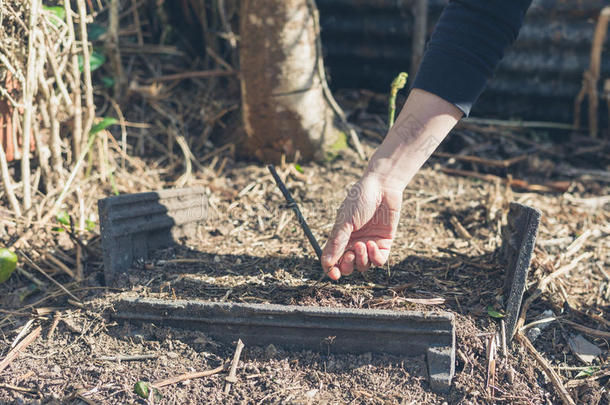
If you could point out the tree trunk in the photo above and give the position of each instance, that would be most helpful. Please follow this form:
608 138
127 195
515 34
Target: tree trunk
284 105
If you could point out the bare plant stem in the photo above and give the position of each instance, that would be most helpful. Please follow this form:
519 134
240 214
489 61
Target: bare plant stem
112 48
77 130
6 181
28 97
90 111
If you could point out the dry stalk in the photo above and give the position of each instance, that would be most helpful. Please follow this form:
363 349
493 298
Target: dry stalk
12 355
77 130
112 48
188 376
231 379
555 379
28 97
8 186
90 111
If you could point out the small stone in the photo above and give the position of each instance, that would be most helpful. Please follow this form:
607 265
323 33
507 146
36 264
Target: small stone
583 349
173 355
216 259
238 261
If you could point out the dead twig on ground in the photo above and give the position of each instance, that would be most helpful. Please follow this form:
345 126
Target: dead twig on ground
231 379
548 370
12 355
130 357
188 376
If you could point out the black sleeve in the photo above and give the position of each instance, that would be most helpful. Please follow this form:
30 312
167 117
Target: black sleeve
467 44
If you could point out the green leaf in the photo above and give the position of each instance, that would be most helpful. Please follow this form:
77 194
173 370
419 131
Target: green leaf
89 225
95 31
493 313
587 372
299 168
8 263
102 125
96 59
57 12
57 229
107 81
142 389
63 218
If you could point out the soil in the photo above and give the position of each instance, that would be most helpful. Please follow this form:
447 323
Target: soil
251 250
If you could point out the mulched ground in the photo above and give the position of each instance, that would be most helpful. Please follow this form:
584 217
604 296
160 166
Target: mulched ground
252 250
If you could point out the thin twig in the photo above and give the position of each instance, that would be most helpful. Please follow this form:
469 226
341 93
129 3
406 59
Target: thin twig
57 283
90 111
133 357
561 389
231 377
77 127
28 113
12 355
6 181
188 376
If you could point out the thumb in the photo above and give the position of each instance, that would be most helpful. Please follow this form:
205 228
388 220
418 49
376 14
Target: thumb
335 246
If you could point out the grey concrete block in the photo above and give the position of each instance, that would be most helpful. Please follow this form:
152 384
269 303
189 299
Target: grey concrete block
335 330
518 240
134 224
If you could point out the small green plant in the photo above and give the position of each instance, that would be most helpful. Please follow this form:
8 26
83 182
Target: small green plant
96 60
8 264
141 388
299 168
144 389
65 222
398 83
493 313
57 14
587 372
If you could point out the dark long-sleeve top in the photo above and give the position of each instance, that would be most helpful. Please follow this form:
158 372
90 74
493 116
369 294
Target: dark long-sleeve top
467 44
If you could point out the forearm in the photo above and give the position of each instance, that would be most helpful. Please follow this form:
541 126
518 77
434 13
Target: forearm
423 123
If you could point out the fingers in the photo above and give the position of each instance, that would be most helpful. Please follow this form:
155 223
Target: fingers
334 273
335 247
347 263
362 257
376 257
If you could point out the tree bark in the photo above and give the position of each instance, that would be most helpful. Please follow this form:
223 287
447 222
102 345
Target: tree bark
284 105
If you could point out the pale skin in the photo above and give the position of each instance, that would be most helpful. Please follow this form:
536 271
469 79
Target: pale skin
366 223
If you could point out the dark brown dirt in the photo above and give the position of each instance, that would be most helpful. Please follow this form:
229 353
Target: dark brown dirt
251 250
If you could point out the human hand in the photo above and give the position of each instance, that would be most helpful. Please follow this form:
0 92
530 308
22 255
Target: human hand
364 228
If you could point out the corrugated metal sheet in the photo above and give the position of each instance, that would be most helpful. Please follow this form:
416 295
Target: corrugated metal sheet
367 42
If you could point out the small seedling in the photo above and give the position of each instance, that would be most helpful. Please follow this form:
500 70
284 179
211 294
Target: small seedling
493 313
144 389
8 263
398 83
141 388
587 372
